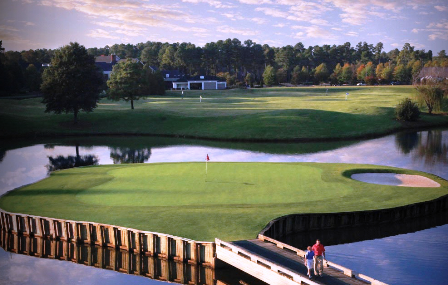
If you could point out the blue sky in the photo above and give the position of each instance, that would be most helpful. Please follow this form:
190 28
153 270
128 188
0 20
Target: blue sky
32 24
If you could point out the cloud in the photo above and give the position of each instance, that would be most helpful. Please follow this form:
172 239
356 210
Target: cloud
8 28
438 30
279 25
256 2
213 3
273 12
361 11
313 32
100 33
352 34
258 20
438 35
441 8
10 35
412 43
129 13
231 30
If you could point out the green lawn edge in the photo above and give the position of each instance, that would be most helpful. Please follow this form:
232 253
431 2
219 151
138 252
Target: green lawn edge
267 114
236 213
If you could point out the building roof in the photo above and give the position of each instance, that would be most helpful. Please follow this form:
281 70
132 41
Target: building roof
171 74
107 58
105 66
433 72
204 78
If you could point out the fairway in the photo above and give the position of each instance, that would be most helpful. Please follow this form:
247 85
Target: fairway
264 114
234 201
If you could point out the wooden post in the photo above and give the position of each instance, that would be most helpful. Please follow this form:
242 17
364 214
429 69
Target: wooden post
138 243
99 235
13 226
88 234
164 246
51 228
180 250
63 235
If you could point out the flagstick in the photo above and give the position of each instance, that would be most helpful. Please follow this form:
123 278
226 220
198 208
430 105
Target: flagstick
205 167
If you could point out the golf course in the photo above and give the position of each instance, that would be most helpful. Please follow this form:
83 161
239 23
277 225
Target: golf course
265 114
233 201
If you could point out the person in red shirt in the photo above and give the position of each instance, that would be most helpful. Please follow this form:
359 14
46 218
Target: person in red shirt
319 256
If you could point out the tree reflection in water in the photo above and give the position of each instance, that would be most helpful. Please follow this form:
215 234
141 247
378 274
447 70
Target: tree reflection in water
129 155
406 142
432 149
64 162
428 147
2 154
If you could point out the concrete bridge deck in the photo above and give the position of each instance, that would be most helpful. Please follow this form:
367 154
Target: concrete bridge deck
275 264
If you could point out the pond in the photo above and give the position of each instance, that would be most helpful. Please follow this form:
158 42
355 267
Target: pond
404 256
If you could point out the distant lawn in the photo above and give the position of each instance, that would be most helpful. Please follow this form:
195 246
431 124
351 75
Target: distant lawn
253 114
235 201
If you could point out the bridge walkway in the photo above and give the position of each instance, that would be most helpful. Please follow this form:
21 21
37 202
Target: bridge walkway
277 263
295 263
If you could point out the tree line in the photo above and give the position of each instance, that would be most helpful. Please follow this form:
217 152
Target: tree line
241 63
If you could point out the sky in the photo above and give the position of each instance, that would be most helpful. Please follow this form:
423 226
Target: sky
51 24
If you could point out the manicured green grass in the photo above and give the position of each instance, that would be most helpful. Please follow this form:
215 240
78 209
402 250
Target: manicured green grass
234 201
255 114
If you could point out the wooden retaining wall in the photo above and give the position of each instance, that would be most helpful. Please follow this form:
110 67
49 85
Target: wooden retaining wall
112 258
147 243
297 223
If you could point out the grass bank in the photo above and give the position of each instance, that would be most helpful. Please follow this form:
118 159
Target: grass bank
234 201
268 114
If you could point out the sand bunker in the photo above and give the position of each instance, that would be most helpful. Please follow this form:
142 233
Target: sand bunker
394 179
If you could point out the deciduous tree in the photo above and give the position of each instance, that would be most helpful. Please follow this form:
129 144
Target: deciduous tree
269 75
72 82
127 81
321 73
431 94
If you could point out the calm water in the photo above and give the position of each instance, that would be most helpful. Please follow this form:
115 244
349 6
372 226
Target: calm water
404 258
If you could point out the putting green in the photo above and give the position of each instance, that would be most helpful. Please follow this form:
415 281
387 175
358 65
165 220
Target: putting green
234 201
225 184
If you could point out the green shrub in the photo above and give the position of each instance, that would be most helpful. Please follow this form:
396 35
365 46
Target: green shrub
407 110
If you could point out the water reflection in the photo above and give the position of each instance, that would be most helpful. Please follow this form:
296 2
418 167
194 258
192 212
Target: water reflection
406 141
107 258
429 147
129 155
64 162
2 154
25 162
114 259
432 149
357 234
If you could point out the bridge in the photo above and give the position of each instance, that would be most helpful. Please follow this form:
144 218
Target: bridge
277 263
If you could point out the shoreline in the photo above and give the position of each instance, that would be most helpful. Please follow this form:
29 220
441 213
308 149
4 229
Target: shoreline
403 128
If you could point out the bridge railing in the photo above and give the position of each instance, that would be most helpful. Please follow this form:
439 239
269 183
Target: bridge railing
148 243
343 269
279 275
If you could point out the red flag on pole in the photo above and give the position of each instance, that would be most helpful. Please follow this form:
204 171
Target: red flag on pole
208 158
